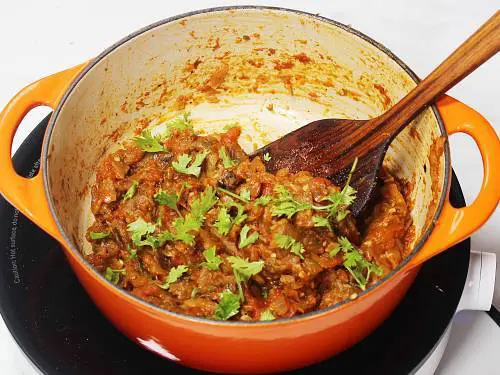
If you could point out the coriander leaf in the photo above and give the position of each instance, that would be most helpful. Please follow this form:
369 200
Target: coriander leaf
266 156
148 143
356 263
234 195
353 263
181 164
167 199
193 221
156 241
353 168
179 123
266 315
243 270
245 194
131 190
228 306
113 275
297 249
224 221
201 205
263 200
174 274
320 221
244 240
98 235
289 243
340 200
345 244
213 261
285 205
182 228
133 253
158 221
140 228
227 162
240 215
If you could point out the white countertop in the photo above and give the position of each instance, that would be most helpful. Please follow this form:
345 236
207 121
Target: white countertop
42 37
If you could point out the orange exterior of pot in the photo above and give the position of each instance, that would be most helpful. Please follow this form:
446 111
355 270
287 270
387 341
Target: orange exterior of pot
247 348
27 194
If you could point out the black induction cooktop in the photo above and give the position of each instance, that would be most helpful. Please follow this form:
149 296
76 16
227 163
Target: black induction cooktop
62 332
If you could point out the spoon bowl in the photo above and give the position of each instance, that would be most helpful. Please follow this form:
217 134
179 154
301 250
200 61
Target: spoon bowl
328 147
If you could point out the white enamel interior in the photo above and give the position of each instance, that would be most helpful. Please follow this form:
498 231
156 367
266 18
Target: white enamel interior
151 77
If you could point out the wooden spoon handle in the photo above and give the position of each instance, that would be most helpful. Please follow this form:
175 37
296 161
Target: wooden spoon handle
482 45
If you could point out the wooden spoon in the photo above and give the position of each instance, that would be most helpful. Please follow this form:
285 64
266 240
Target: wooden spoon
328 148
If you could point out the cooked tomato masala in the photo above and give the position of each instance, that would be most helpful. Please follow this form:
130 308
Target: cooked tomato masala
191 224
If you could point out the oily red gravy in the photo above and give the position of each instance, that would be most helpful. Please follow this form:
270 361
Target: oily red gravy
191 224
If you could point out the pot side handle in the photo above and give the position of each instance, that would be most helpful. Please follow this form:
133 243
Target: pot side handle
456 224
27 194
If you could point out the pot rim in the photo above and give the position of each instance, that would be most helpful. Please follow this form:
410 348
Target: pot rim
185 317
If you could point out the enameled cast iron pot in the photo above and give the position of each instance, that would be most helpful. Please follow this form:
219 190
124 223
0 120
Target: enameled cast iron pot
271 70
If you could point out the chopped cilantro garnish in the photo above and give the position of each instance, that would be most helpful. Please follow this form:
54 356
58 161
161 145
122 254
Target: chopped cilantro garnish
228 306
213 261
174 274
244 195
133 252
138 229
179 123
149 143
266 315
141 234
320 221
181 164
289 243
195 218
131 190
243 270
201 205
156 241
183 227
240 214
170 200
225 221
263 200
246 240
98 235
355 262
266 156
227 162
340 200
285 205
113 275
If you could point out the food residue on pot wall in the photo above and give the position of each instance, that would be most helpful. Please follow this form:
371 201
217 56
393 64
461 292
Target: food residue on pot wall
280 75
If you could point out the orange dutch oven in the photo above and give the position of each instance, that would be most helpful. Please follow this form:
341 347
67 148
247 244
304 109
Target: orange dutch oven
332 70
